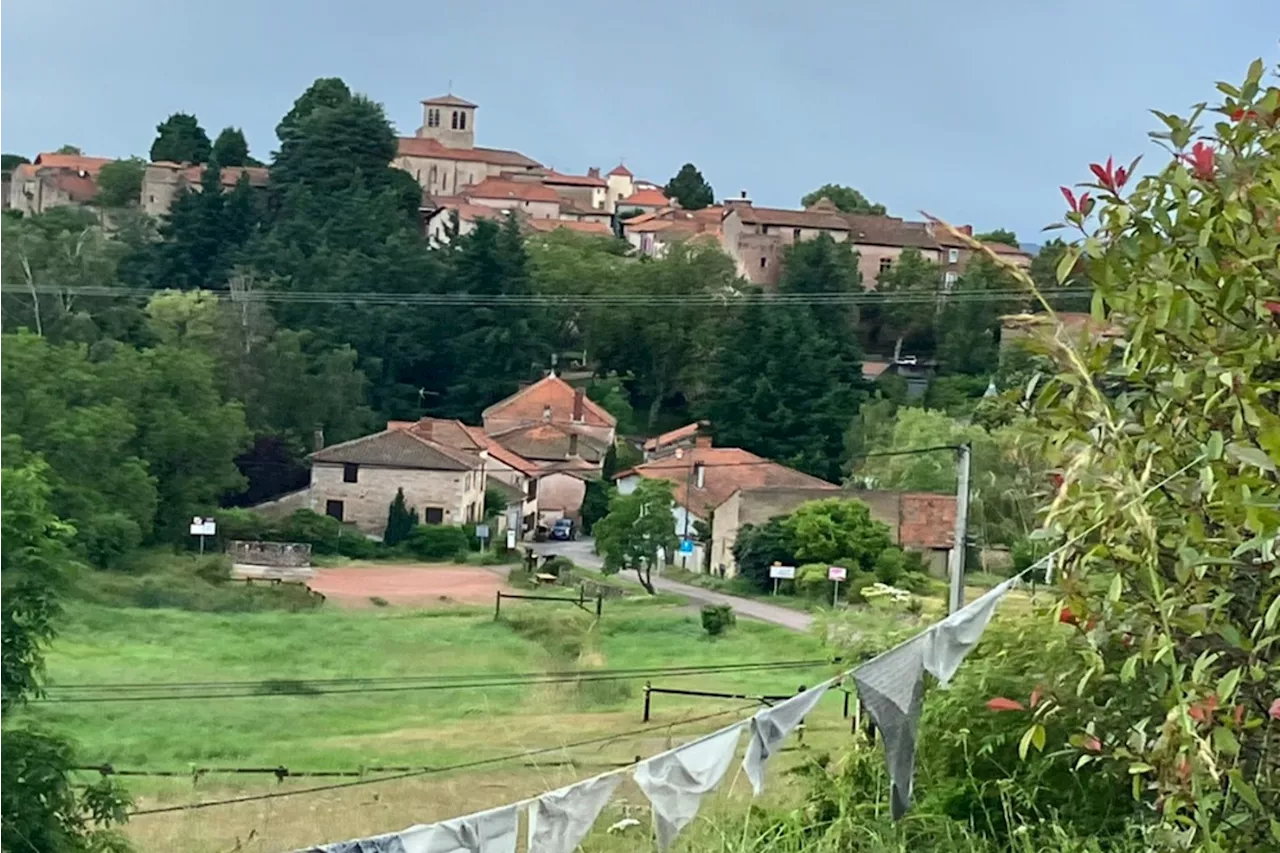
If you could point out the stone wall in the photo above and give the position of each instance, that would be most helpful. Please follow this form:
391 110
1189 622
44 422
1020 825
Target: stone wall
286 555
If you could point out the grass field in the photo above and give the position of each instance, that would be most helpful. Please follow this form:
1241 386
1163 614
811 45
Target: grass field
101 644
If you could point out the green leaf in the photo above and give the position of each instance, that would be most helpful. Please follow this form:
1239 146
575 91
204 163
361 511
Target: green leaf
1225 741
1248 455
1037 737
1273 612
1227 685
1025 744
1213 450
1129 670
1138 767
1067 262
1117 588
1244 789
1255 73
1083 760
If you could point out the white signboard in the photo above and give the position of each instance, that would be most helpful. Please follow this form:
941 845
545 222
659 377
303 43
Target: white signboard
837 573
203 527
785 573
511 539
482 531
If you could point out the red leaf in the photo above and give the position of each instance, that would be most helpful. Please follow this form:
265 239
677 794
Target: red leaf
1239 715
1201 160
1035 697
1000 703
1086 204
1070 197
1066 617
1092 744
1274 712
1103 177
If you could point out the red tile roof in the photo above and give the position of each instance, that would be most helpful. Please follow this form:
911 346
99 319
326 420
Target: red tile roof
502 454
621 170
76 162
726 469
644 198
78 188
470 212
497 188
259 176
790 218
528 404
554 177
549 225
672 436
448 101
552 442
398 448
417 146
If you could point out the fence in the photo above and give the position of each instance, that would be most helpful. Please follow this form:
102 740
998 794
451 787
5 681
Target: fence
580 601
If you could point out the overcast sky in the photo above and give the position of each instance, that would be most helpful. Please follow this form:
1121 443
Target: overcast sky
974 111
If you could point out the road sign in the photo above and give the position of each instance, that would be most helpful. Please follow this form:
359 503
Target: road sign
837 573
511 540
203 527
785 573
482 531
686 546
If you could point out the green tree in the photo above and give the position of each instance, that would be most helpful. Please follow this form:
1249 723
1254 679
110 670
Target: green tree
204 234
690 189
837 530
759 546
845 198
332 146
324 92
120 183
999 235
231 149
40 809
181 139
9 162
967 328
907 314
1170 445
68 149
595 502
637 527
401 519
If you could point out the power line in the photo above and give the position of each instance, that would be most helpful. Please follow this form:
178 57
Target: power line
287 689
433 770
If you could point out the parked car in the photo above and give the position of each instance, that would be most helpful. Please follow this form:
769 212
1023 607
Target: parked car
564 530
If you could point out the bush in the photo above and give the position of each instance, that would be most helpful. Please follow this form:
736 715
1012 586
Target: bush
243 524
322 532
352 543
915 582
213 570
889 565
558 566
855 584
437 542
811 580
109 537
717 618
913 561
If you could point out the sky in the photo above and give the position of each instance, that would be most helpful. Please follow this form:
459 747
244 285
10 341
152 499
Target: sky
975 112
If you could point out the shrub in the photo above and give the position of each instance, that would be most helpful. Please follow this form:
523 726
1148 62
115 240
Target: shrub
915 582
558 566
109 537
377 601
855 584
717 618
243 524
811 580
322 532
888 566
352 543
214 569
437 542
913 561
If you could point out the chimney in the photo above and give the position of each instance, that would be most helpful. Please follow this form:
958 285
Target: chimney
702 441
593 172
317 440
423 427
573 444
700 474
579 394
546 413
734 203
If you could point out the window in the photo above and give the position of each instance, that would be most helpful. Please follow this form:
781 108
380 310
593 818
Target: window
764 229
953 256
795 233
462 121
764 262
152 199
350 472
531 489
433 515
950 280
455 119
333 509
886 264
433 118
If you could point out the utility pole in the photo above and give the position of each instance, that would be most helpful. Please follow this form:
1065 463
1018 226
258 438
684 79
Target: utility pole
962 529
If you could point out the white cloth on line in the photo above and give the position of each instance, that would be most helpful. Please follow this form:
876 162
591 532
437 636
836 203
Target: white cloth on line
770 726
491 831
559 820
891 686
389 843
951 640
675 781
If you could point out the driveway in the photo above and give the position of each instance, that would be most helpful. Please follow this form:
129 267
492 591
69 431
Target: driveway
581 552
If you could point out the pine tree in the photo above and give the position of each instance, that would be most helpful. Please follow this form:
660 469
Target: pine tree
231 148
401 519
181 139
690 189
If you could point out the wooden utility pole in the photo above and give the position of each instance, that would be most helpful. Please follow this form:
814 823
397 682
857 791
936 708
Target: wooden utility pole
956 599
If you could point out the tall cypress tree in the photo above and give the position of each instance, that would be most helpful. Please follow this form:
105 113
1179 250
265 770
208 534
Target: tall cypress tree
401 520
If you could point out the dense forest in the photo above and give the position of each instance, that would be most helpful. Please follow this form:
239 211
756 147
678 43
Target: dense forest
164 368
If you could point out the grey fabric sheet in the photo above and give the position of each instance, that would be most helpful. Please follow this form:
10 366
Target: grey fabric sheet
951 640
389 843
891 687
559 820
492 831
675 781
770 726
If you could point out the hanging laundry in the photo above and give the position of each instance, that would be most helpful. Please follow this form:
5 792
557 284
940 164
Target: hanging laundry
492 831
675 781
559 820
951 640
389 843
771 726
891 687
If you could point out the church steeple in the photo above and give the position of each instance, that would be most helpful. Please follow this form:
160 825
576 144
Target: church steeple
450 120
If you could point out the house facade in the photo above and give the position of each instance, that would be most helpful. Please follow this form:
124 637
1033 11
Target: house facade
163 181
54 180
356 481
917 521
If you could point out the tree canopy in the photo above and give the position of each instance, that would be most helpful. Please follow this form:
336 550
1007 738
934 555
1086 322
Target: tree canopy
845 198
120 182
637 527
999 235
231 149
690 189
181 139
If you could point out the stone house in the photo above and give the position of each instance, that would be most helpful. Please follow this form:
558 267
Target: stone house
355 481
163 181
917 521
54 180
586 192
705 477
653 234
552 401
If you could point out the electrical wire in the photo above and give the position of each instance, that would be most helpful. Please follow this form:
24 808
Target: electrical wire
467 765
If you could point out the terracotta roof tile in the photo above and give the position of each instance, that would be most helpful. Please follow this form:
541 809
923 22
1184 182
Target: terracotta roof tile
672 436
552 442
549 225
528 404
507 457
554 177
76 162
418 146
726 470
621 170
398 448
448 101
78 188
259 176
497 188
790 218
644 198
888 231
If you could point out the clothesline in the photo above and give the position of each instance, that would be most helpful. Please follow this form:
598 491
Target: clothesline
890 685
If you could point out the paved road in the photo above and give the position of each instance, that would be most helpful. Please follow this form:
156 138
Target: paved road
580 551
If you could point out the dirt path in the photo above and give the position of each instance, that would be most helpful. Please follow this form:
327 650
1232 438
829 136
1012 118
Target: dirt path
419 586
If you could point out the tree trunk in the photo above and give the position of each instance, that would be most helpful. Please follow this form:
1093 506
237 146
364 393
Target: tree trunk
646 581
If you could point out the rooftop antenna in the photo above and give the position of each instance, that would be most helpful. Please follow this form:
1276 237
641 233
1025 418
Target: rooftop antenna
450 85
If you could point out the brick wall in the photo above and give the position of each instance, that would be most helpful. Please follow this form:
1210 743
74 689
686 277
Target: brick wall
365 502
291 555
